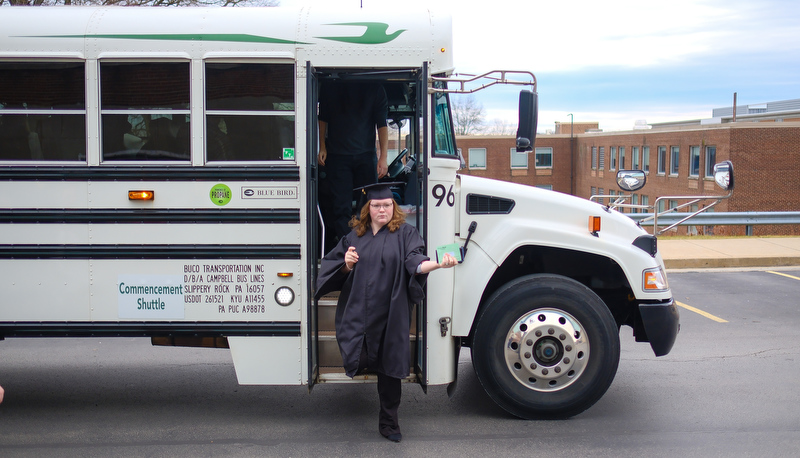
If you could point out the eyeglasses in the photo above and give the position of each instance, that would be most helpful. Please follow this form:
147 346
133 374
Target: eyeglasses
379 206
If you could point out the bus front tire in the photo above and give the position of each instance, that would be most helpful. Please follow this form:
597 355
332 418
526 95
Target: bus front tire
545 347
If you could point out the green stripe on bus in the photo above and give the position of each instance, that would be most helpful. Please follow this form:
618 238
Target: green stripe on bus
228 37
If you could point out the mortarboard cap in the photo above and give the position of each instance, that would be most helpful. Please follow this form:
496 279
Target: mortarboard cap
378 190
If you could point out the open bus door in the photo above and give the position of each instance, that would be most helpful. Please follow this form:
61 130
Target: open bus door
315 228
421 126
408 105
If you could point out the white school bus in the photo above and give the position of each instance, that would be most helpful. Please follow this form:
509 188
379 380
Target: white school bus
159 175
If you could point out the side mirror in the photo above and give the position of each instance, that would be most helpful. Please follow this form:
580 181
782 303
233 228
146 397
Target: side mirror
723 175
528 117
631 180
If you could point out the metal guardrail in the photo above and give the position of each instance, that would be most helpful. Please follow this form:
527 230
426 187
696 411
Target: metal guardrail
720 218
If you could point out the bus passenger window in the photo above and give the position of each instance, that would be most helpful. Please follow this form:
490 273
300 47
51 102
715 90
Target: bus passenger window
249 111
144 109
42 111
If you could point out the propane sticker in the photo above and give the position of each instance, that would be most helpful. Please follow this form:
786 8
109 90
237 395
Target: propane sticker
150 296
220 194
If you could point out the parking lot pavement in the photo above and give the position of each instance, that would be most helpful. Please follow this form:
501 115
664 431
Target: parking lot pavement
729 252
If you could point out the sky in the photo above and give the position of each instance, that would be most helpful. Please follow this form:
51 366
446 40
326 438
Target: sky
620 61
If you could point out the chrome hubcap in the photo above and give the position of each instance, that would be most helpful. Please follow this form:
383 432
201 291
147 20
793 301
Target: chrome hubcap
546 350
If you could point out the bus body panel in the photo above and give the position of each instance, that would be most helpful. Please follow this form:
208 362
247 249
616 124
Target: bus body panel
439 299
52 290
269 360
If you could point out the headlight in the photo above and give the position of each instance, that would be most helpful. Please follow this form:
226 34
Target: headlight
655 280
284 296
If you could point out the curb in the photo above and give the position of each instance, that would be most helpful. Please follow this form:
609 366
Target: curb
731 262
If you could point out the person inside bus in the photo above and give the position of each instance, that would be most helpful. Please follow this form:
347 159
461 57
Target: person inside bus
350 113
2 393
381 269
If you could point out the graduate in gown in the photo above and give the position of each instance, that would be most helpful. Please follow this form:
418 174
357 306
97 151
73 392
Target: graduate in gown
380 268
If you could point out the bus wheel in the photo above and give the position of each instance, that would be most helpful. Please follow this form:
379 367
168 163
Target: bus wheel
545 346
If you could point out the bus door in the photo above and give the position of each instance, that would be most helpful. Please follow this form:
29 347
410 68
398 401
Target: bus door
315 228
421 126
407 95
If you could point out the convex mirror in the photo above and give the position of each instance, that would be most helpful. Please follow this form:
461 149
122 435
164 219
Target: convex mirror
631 180
723 175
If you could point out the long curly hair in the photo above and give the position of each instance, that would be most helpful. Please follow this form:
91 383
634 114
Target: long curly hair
363 221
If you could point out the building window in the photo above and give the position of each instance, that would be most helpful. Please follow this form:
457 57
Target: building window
602 158
634 201
548 187
519 160
662 160
544 158
635 158
674 162
622 158
694 161
692 230
613 159
477 158
144 108
646 202
594 158
711 159
250 111
43 111
646 159
594 191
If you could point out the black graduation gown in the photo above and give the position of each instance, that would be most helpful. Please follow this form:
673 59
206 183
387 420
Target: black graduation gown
376 297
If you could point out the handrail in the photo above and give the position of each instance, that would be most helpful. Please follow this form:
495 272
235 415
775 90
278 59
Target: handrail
720 218
679 218
464 79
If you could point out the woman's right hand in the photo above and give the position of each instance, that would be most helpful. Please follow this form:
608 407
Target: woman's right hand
350 258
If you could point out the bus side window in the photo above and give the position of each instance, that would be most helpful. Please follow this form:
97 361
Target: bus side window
249 111
144 109
42 111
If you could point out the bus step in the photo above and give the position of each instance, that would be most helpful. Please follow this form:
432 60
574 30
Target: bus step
329 374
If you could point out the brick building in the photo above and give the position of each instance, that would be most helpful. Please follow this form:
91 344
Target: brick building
678 160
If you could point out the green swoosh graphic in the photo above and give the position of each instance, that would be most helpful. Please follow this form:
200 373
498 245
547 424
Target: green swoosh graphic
374 35
228 37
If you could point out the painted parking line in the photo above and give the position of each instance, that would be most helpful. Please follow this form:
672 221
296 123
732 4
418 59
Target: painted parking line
700 312
782 274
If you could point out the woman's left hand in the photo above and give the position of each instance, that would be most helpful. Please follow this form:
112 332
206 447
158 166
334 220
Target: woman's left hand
448 261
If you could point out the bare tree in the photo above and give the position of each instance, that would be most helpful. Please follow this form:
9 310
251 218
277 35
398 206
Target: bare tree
143 2
468 115
501 127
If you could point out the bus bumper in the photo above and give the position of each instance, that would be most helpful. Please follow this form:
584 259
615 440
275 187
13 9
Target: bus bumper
661 324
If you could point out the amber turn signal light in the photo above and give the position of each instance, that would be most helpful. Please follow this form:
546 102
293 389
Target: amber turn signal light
594 225
141 195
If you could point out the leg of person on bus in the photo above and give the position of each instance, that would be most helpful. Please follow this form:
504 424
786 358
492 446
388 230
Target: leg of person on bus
390 390
345 173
